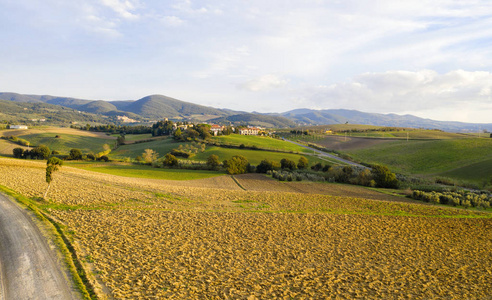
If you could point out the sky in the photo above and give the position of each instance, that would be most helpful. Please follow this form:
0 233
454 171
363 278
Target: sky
432 59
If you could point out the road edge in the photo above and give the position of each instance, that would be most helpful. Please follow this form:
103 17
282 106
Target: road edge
63 245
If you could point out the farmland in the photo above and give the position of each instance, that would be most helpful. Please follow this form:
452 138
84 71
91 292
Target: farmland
260 142
209 238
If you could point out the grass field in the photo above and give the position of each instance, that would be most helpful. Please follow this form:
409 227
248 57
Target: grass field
260 142
142 171
133 150
458 158
254 156
135 137
156 239
65 142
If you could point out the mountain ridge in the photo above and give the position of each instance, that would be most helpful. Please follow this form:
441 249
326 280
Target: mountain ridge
157 107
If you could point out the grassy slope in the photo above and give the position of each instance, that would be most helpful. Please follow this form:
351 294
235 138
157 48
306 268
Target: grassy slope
140 171
431 157
253 156
65 142
161 146
260 142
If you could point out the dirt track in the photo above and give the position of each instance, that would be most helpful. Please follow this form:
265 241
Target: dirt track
29 269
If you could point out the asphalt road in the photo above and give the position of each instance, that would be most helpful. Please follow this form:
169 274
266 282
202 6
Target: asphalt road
324 154
29 268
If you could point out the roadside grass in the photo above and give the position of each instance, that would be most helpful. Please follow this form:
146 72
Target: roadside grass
79 276
142 171
260 142
65 142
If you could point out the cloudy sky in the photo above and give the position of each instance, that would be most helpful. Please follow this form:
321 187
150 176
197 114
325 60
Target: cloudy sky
430 58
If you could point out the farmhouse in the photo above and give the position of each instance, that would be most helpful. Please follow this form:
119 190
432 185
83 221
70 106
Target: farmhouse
18 127
216 129
249 131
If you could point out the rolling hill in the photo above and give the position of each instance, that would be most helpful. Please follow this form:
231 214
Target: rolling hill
156 107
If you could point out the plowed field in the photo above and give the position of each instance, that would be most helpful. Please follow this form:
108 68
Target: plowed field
157 239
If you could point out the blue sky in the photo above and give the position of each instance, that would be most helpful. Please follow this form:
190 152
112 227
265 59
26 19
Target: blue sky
432 59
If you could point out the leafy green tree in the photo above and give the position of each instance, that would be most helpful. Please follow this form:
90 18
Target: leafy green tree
41 152
18 152
238 164
120 140
303 163
52 165
177 134
287 164
75 154
267 165
170 160
383 177
213 162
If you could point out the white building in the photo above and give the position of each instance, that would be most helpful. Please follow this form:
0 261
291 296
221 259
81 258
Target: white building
18 127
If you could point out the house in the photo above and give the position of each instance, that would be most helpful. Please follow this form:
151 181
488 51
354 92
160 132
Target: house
249 131
215 129
18 127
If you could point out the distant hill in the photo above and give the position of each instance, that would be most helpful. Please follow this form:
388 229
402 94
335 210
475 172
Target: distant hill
340 116
152 107
38 113
158 107
257 119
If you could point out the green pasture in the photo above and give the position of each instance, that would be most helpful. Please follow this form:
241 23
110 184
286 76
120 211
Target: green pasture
455 157
65 142
135 137
260 142
133 150
143 171
411 134
253 156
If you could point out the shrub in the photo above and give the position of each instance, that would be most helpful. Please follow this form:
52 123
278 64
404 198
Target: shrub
170 160
237 165
287 164
303 163
18 152
75 154
213 162
267 165
383 177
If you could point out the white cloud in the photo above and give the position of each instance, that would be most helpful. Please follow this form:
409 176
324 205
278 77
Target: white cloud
404 91
123 8
263 83
173 21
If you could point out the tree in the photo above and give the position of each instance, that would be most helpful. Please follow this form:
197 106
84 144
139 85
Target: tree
213 162
177 134
267 165
170 160
287 164
303 163
384 177
238 164
120 140
75 154
149 156
42 152
52 165
18 152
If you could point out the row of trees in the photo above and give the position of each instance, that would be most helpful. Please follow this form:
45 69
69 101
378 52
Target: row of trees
43 152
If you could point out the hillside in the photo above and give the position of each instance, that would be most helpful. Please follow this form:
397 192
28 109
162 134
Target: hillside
155 107
337 116
257 119
26 112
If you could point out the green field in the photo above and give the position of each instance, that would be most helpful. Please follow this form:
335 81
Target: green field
133 150
253 156
260 142
135 137
142 171
65 142
466 159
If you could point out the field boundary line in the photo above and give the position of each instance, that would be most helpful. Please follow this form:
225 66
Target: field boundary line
237 182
